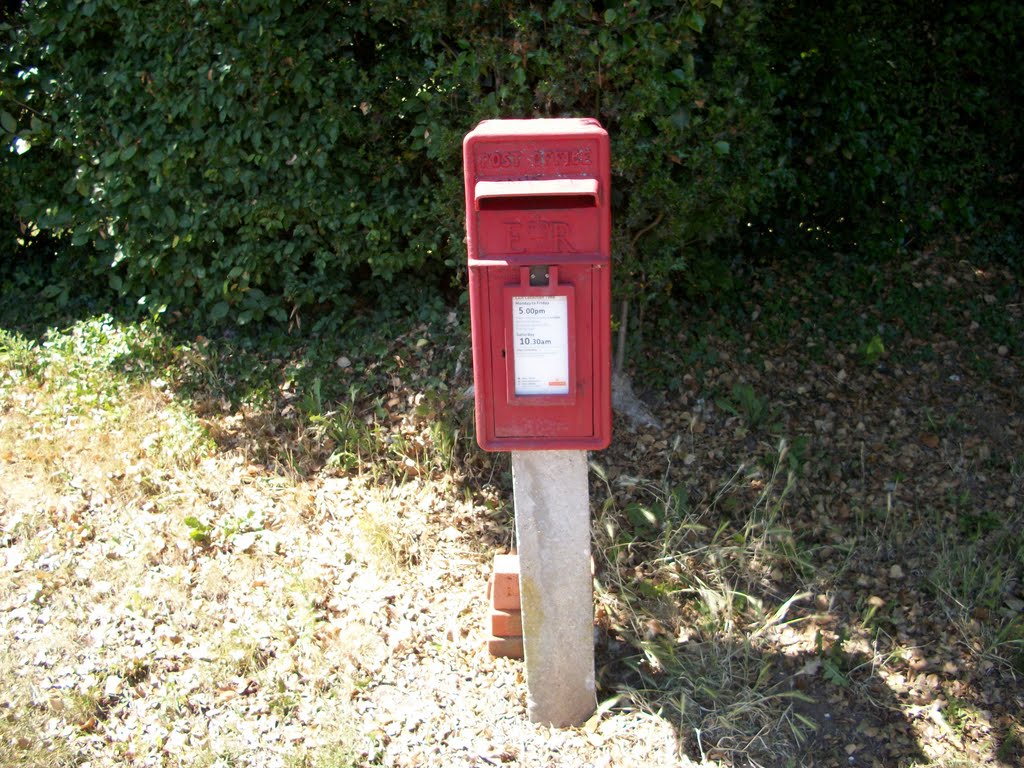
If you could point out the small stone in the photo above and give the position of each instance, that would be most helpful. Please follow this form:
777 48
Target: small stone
112 686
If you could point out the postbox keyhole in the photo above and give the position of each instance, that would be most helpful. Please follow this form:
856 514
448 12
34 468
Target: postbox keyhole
539 276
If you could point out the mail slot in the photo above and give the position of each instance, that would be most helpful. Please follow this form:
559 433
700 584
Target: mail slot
538 231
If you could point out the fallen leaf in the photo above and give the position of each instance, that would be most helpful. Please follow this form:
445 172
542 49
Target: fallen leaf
810 668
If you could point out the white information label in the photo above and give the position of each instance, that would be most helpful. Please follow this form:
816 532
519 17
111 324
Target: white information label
540 340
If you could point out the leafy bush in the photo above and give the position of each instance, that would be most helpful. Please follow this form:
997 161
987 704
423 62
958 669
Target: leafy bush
261 157
901 120
272 158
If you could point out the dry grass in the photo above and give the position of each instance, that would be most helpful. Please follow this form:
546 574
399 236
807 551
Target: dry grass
169 601
119 627
683 596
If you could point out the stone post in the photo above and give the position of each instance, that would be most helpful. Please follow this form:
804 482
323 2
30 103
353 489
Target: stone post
552 507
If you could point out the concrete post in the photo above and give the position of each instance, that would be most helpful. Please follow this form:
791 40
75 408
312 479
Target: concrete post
556 586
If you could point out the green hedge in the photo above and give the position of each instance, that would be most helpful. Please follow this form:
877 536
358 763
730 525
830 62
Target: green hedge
902 121
254 159
248 159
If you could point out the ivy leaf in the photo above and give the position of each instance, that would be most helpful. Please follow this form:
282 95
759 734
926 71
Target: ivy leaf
219 311
8 122
834 675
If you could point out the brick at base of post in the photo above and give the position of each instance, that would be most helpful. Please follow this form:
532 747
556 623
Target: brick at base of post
504 622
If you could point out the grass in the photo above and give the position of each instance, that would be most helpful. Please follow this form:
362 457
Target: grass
167 472
754 411
702 592
25 736
693 609
137 514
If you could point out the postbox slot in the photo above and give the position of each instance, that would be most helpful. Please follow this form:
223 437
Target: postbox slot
542 194
536 203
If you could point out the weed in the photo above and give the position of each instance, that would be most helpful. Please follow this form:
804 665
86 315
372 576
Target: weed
349 438
241 520
246 655
1009 643
391 544
756 412
871 351
834 662
198 531
974 525
971 579
958 714
1012 745
18 354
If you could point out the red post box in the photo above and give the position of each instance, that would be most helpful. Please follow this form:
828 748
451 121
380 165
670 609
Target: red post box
538 226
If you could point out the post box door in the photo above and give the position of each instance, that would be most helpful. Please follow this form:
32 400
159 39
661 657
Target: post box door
541 383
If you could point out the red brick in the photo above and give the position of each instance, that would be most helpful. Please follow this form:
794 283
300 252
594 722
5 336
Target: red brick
505 586
506 623
512 647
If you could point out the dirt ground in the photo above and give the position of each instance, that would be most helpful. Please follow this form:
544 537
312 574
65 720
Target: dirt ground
815 559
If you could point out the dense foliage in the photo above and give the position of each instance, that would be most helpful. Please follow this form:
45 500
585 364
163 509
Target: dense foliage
260 157
902 119
271 158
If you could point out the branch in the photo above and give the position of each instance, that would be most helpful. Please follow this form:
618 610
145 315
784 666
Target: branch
645 230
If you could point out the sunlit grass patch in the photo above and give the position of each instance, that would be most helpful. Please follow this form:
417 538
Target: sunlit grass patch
90 396
102 462
693 592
